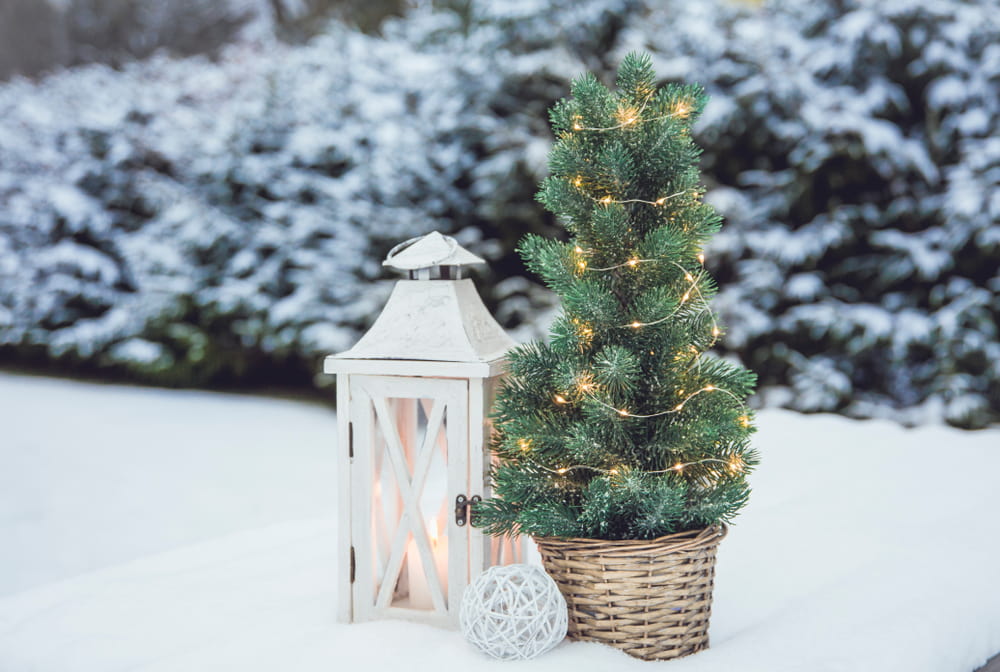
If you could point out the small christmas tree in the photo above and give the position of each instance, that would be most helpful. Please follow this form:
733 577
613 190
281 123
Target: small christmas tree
622 427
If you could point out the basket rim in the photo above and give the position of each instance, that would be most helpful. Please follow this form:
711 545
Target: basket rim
677 541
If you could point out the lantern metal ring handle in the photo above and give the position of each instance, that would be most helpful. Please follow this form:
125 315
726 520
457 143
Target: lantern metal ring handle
452 246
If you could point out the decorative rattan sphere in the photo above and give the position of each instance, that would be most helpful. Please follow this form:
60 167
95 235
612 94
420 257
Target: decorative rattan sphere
513 612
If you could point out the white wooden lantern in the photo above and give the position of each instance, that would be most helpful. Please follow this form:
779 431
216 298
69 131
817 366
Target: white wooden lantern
413 398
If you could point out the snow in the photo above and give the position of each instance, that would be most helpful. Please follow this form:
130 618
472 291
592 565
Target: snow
95 475
138 350
174 530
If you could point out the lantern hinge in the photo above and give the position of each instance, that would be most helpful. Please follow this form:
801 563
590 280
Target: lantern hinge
352 564
463 509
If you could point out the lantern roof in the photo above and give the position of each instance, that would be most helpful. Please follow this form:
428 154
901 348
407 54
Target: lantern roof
429 250
432 321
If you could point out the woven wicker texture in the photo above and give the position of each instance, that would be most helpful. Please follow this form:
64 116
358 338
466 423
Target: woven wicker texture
649 598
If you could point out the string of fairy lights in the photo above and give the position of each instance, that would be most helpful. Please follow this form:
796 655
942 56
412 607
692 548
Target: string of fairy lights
609 200
734 464
588 389
693 288
630 116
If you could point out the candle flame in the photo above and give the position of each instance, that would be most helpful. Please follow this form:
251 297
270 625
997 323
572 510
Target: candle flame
432 530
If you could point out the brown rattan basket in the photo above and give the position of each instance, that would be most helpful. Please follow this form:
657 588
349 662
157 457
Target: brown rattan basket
649 598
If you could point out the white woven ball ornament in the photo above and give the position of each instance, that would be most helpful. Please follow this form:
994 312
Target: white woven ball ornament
513 612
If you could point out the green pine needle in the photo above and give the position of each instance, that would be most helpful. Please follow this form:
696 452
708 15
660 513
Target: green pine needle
621 426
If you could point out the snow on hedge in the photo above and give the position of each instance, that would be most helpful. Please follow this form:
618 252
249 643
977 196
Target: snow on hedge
855 154
204 221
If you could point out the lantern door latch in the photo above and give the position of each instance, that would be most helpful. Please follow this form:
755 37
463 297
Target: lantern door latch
463 509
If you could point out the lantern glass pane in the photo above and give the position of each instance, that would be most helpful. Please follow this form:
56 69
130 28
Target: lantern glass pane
411 507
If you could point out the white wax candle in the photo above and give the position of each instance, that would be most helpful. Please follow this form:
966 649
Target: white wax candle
439 547
420 593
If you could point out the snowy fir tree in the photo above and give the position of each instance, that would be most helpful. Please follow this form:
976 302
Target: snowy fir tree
621 426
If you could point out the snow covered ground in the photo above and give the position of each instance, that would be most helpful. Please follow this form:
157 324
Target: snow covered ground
161 530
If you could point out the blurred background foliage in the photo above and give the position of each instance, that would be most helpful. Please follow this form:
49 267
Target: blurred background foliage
199 192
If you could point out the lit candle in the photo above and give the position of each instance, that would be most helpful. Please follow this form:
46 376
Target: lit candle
420 591
439 548
420 595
